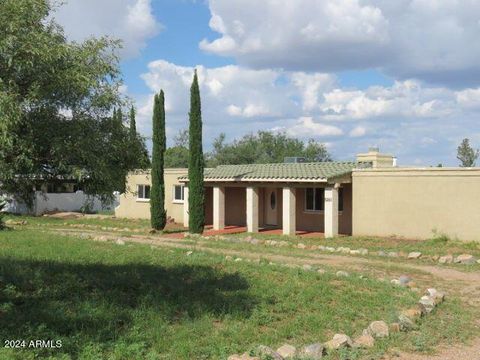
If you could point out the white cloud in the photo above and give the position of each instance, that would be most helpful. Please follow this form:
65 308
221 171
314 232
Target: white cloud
469 98
357 131
401 119
132 21
306 127
403 99
432 40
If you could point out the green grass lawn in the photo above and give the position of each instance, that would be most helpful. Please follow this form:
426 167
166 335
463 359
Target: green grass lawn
133 302
108 223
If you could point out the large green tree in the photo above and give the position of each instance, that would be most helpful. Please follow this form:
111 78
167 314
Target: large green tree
177 156
56 99
466 154
158 215
196 191
264 147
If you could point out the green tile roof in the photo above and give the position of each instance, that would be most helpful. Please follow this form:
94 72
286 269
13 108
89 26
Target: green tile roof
317 171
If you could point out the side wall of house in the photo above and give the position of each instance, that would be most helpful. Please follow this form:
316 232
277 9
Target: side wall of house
415 203
132 207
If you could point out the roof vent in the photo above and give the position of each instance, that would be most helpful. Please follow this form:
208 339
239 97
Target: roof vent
294 159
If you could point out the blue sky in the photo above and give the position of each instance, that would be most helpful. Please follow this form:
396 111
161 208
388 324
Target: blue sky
403 75
185 24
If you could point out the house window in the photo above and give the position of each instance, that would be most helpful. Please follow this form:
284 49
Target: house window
314 199
178 193
143 192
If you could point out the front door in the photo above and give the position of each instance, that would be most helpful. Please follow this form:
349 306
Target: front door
271 204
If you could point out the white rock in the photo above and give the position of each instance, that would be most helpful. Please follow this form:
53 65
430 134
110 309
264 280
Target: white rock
267 352
378 329
189 253
238 259
415 255
364 341
301 246
447 259
438 296
287 351
344 250
405 322
313 351
396 282
339 341
363 251
120 242
342 273
307 267
428 303
354 252
465 259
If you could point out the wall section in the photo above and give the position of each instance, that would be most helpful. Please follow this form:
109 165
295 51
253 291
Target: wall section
416 203
132 207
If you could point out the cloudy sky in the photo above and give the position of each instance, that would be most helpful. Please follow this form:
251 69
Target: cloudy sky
403 75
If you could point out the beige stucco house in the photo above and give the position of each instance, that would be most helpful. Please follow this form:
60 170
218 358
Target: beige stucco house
370 196
135 202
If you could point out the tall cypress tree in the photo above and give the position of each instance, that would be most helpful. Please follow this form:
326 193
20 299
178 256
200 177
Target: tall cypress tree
196 203
158 215
133 124
119 117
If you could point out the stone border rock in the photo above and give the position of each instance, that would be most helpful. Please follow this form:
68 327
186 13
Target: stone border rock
377 330
465 259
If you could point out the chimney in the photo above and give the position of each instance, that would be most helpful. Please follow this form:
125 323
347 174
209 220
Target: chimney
377 159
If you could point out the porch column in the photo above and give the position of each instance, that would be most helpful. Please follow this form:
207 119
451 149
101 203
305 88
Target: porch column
289 205
185 206
331 211
218 208
252 209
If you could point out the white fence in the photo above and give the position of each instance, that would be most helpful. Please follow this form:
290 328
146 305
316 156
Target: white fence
43 203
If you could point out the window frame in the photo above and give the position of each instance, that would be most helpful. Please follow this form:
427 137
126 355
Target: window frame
141 192
314 194
174 199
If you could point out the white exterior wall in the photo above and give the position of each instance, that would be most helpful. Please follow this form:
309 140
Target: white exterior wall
45 202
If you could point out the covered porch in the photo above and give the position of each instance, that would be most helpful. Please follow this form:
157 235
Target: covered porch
290 197
298 209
